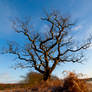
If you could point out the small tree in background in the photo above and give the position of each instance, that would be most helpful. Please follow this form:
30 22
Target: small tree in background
34 78
44 51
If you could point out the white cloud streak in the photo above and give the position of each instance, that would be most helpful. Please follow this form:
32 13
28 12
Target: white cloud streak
77 27
6 78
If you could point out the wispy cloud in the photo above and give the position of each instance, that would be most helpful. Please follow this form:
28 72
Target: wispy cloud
6 78
44 29
77 27
6 12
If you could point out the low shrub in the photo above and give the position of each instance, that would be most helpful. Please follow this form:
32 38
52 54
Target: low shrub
73 84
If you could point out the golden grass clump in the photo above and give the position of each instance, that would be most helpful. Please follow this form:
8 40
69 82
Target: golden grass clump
73 84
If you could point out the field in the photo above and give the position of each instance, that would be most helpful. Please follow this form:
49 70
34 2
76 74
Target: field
15 88
50 86
71 83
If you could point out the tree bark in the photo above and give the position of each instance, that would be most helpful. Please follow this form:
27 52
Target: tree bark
46 76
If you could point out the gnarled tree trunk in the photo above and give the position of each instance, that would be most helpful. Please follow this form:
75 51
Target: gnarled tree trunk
46 75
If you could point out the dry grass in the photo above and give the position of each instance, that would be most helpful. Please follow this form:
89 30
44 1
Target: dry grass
90 87
73 84
70 84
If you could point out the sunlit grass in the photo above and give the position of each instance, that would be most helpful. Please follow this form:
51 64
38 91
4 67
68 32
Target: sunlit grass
71 83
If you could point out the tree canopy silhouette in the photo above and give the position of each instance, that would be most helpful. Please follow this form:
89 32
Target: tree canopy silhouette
43 51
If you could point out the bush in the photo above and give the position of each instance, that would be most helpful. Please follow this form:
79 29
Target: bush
34 78
73 84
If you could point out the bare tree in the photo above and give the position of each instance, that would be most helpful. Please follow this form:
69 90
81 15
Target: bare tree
43 51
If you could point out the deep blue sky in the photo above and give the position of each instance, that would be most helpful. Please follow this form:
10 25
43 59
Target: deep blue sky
79 10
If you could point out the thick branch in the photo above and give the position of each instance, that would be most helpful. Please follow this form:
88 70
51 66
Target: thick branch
35 63
54 65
